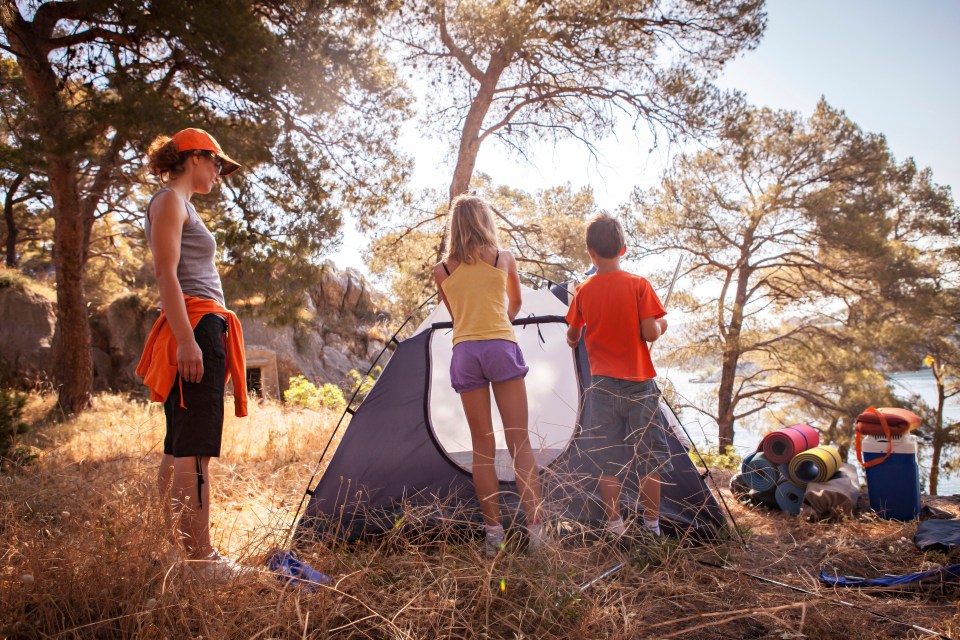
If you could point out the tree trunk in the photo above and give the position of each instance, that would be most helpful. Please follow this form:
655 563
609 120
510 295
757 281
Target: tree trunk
727 400
73 368
938 435
935 464
471 135
725 405
73 359
12 231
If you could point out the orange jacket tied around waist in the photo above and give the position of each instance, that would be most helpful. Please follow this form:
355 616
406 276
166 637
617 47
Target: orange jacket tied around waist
158 364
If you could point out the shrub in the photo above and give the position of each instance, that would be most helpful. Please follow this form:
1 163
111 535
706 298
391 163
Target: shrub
304 393
11 424
728 459
364 382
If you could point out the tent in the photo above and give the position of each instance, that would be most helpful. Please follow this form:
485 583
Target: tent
407 446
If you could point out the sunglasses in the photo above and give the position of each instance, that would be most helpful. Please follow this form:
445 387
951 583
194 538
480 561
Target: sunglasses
217 161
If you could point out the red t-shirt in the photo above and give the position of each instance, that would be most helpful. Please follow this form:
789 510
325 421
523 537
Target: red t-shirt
612 306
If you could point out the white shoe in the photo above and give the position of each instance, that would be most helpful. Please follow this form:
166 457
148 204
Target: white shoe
539 540
218 568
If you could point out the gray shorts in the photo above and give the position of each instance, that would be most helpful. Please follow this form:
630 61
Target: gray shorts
622 424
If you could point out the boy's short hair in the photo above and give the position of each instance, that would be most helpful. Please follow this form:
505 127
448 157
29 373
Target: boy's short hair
605 235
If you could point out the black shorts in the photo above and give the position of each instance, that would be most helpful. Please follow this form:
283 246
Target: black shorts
198 429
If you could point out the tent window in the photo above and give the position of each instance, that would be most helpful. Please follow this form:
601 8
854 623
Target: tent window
552 399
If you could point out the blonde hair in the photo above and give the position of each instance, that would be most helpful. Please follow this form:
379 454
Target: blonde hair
471 228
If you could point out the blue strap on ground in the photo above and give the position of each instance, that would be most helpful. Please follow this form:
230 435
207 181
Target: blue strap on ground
291 570
946 573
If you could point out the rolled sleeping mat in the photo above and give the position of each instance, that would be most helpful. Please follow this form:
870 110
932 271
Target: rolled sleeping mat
814 465
739 488
758 472
766 498
782 445
789 497
784 470
745 495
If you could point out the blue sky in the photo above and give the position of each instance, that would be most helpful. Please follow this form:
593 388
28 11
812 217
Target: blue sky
894 67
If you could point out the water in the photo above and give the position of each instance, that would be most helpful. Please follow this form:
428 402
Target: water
703 430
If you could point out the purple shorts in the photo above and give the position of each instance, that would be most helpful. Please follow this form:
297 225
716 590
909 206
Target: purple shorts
475 363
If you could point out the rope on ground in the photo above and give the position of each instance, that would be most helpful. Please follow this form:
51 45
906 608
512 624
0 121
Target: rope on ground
833 601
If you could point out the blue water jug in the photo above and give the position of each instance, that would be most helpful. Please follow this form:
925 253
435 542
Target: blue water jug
894 484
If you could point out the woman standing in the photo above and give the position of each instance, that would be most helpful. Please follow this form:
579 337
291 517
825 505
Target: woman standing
195 331
481 288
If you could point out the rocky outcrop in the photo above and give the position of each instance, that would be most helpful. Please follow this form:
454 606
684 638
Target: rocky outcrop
313 351
343 307
342 291
339 338
119 331
27 322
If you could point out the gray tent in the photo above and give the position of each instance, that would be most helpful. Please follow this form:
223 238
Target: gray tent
407 446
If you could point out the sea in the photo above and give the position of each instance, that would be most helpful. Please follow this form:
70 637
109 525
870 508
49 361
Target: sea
703 430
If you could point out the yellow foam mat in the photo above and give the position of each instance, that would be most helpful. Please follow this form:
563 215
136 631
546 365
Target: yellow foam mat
814 465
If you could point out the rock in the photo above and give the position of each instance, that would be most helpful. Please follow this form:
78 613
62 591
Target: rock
308 343
333 288
119 330
354 292
27 322
336 361
373 349
340 292
102 368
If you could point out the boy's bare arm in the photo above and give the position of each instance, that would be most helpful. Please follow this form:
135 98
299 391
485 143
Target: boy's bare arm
573 336
652 328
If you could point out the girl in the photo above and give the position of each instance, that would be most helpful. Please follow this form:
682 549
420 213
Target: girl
192 332
481 289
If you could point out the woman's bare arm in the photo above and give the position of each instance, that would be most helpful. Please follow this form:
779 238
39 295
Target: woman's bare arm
168 214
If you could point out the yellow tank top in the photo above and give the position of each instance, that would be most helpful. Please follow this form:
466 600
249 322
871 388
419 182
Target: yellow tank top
477 294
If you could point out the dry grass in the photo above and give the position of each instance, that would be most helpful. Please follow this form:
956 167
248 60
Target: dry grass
84 525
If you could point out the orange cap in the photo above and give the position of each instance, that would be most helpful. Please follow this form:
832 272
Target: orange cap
200 140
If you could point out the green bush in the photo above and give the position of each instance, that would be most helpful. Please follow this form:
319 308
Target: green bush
365 382
11 424
715 459
304 393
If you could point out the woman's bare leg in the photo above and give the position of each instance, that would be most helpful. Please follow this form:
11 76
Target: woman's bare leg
164 484
193 521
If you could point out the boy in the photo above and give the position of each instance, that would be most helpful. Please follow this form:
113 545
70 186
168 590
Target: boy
622 419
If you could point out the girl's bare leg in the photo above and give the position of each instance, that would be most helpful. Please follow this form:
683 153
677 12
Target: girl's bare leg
511 399
476 406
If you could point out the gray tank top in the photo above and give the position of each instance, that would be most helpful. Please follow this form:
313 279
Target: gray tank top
197 270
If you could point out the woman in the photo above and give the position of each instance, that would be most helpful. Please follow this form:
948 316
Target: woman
192 331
